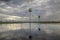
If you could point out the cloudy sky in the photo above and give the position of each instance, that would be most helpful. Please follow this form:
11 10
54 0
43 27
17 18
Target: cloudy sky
18 10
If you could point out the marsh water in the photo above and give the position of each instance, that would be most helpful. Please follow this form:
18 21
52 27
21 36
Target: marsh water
21 31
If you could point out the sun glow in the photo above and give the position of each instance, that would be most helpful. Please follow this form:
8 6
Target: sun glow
12 17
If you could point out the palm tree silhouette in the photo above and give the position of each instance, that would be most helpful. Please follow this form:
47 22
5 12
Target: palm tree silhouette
30 36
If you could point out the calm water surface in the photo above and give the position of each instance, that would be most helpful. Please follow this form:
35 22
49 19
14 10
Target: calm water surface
21 31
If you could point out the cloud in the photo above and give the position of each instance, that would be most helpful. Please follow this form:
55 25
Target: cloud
44 8
5 0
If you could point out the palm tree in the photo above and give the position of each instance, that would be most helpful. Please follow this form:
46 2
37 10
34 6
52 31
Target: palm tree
30 36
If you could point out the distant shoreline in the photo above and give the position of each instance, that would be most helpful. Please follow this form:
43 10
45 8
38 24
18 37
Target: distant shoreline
42 22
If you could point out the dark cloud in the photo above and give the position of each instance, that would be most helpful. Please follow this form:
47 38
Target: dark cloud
5 0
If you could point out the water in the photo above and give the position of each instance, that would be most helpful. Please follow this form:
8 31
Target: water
21 31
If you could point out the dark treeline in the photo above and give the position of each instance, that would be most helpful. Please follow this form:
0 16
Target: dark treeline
43 22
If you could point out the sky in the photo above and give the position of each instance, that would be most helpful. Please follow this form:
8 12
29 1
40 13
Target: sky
17 10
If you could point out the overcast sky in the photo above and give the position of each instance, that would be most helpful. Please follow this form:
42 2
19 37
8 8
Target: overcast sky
18 9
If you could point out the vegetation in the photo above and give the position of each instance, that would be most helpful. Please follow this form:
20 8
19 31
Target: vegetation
43 22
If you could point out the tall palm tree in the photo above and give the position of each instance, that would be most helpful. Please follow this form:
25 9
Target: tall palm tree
30 36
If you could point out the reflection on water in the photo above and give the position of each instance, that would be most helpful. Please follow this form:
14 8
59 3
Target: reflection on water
21 31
